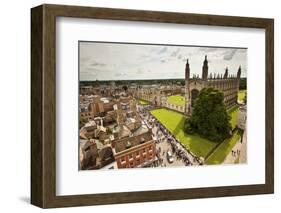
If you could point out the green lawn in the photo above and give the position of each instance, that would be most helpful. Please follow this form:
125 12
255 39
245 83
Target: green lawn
220 153
176 99
234 116
241 95
143 102
174 122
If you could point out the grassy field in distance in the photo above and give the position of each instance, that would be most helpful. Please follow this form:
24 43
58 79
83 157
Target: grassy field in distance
176 99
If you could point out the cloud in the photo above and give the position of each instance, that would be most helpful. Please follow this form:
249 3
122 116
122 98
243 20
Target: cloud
85 59
127 61
242 50
97 64
89 70
120 74
179 56
176 74
163 50
144 56
228 54
139 71
207 50
175 53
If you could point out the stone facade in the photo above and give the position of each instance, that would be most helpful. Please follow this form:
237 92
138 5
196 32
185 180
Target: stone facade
242 117
158 96
229 85
136 151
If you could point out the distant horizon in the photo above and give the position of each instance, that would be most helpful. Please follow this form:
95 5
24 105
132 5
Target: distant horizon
143 79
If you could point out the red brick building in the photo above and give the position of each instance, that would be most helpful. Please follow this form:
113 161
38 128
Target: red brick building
136 151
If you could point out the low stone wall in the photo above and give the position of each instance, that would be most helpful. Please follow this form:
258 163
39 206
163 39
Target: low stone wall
166 104
175 107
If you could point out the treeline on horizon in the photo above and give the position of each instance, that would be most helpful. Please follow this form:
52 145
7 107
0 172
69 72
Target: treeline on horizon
242 86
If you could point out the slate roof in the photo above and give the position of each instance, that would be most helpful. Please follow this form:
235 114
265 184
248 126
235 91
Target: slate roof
130 142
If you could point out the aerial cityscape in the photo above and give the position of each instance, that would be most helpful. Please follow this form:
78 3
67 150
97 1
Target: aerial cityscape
147 106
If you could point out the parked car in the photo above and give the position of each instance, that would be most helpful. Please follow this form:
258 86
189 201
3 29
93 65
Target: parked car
170 157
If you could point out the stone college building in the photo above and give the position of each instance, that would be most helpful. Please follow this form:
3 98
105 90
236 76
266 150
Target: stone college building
229 85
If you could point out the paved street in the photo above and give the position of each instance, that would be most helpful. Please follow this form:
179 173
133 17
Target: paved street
243 155
239 152
166 142
164 146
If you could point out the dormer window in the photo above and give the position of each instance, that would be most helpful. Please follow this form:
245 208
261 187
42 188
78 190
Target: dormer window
142 140
128 145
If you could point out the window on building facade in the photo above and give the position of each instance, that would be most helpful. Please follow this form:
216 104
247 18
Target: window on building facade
123 160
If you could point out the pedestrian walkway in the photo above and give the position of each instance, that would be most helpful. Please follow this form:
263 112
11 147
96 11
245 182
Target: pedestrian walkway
238 153
234 154
243 155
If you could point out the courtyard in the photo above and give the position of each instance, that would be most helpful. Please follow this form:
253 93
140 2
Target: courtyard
176 99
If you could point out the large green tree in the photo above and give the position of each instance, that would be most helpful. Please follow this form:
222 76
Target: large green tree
209 117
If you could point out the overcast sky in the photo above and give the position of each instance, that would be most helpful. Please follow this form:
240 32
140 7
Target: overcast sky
113 61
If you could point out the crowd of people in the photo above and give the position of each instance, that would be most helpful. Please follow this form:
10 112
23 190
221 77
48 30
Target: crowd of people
177 149
163 135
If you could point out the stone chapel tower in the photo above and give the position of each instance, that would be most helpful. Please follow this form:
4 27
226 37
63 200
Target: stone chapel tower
205 69
238 76
187 75
225 73
239 72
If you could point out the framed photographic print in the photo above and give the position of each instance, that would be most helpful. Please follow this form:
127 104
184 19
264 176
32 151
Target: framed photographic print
137 106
